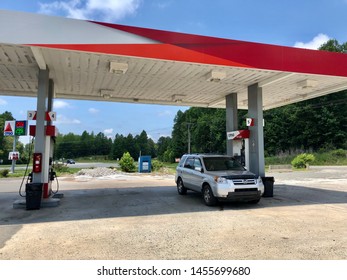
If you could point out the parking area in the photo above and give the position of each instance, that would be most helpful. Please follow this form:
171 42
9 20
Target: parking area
143 217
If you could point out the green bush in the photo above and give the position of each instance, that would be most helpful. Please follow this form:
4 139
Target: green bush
127 163
339 153
4 173
157 165
302 160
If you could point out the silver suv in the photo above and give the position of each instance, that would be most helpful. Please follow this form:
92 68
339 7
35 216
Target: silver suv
218 178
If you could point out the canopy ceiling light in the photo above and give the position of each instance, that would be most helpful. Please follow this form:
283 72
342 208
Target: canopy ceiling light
118 67
216 76
106 94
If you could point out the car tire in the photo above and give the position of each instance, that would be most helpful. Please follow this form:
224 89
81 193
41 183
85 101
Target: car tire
255 201
209 198
181 189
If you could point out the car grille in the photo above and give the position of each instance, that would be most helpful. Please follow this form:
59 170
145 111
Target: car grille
247 190
244 181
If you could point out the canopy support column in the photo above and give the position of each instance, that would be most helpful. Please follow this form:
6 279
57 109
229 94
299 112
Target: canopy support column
43 143
231 118
256 140
40 145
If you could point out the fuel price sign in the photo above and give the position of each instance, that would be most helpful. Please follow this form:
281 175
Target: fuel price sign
21 128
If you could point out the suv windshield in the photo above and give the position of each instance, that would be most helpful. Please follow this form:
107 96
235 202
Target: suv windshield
222 164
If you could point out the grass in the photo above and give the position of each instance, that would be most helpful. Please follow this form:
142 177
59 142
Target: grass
60 171
332 158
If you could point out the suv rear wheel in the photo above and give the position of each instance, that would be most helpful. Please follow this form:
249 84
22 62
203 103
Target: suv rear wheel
181 189
208 196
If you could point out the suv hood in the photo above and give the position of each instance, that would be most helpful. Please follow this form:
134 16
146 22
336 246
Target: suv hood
233 174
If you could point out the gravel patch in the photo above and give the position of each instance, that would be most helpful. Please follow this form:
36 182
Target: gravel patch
97 172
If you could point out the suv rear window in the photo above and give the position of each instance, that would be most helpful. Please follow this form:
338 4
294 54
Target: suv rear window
222 164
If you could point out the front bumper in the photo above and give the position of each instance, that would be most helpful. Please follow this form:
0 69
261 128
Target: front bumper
242 196
230 192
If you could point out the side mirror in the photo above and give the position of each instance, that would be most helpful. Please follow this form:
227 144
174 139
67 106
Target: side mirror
199 169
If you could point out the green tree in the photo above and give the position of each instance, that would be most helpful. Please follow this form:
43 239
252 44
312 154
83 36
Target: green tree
127 163
163 144
141 143
118 146
102 144
86 145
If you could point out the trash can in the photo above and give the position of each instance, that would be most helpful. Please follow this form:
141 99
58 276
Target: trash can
268 186
145 164
33 195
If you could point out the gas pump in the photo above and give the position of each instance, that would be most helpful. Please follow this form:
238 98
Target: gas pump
43 164
240 140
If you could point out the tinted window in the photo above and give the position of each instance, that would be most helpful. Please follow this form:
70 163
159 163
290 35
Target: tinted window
222 164
197 163
189 163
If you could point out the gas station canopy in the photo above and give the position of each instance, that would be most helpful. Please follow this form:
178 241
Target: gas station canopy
109 62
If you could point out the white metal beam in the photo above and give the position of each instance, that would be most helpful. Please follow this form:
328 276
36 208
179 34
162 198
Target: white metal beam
40 60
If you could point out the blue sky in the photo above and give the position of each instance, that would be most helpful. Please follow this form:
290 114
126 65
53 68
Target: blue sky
304 23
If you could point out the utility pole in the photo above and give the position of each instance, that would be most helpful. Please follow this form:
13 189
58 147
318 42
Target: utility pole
13 150
188 126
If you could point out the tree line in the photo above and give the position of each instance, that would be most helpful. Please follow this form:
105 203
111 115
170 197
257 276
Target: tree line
311 125
89 144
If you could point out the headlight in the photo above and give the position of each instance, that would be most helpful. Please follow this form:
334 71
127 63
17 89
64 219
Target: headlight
221 180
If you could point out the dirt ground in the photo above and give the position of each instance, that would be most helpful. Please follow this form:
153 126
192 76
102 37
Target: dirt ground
142 217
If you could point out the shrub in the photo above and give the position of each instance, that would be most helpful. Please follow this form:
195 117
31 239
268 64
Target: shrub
157 165
302 160
127 163
339 153
4 173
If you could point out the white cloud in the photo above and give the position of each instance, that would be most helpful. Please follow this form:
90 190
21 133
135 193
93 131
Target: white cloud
61 119
93 111
92 9
315 43
108 131
3 102
59 104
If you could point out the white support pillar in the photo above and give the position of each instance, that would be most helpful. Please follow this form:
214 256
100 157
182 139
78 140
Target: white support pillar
50 139
256 140
40 138
231 119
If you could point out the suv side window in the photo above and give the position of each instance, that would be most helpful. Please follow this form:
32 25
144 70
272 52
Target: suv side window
189 163
182 160
197 163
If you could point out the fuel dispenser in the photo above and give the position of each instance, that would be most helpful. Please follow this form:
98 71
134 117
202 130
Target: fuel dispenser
240 140
43 169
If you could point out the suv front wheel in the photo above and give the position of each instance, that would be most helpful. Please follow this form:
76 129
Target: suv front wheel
209 198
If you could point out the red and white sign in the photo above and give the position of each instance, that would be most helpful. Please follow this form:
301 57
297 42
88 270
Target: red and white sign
31 115
13 156
50 116
238 134
250 122
9 128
